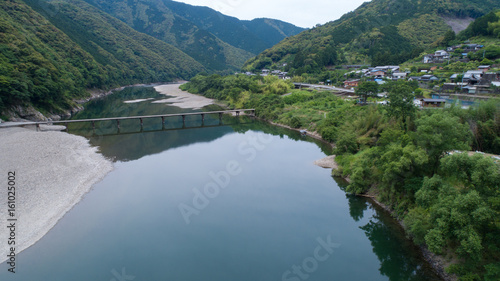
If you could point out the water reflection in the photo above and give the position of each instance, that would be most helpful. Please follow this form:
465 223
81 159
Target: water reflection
278 206
399 258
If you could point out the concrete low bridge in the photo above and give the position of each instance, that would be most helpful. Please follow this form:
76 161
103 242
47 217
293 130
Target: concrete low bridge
140 118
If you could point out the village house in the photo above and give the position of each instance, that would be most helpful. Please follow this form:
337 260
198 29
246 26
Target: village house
399 75
428 78
432 102
351 84
438 57
472 48
453 48
387 68
377 73
484 68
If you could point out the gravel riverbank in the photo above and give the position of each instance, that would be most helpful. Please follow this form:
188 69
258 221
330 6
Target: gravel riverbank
53 171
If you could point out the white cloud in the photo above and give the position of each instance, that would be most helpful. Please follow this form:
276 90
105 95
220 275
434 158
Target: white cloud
304 13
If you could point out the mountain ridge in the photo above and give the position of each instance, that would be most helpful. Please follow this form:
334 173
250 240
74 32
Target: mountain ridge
380 32
48 61
212 38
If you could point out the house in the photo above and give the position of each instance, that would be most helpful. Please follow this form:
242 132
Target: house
438 57
376 73
387 68
351 84
473 76
453 48
442 54
433 102
484 68
428 78
472 48
399 75
491 77
429 58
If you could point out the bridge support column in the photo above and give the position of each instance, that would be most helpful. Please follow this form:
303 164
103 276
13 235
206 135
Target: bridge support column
202 117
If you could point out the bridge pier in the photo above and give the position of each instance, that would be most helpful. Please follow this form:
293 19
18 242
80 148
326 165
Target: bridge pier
141 118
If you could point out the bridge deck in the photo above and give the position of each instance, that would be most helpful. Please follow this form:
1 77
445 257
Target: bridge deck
163 116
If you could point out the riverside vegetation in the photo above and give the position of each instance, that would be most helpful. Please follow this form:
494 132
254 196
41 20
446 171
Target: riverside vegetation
415 161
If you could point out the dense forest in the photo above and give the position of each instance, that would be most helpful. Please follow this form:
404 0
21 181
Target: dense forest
49 63
52 52
380 32
416 161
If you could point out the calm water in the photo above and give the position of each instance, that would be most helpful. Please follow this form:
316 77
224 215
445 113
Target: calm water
240 200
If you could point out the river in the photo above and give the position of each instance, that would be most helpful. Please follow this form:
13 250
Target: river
231 200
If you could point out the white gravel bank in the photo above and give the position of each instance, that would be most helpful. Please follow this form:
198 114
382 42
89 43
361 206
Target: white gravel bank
181 98
53 171
327 162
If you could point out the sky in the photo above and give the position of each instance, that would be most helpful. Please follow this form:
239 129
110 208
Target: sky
303 13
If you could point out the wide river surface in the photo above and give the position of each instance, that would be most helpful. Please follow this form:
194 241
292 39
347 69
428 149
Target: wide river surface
235 200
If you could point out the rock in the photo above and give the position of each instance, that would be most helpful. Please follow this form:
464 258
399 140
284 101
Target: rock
20 113
327 162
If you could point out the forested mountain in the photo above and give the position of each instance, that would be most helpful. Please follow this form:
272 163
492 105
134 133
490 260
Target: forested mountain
378 32
213 39
50 54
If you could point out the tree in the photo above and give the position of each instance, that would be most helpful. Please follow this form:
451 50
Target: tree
401 104
449 36
439 133
367 89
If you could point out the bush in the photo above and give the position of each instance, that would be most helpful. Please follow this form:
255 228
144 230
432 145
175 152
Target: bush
295 122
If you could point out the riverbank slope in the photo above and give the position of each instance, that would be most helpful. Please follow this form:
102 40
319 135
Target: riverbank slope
53 171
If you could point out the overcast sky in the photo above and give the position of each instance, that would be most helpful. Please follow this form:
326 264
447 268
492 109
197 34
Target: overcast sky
303 13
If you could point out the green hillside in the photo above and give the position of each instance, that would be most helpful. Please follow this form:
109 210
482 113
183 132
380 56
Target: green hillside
49 60
253 36
378 32
217 41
